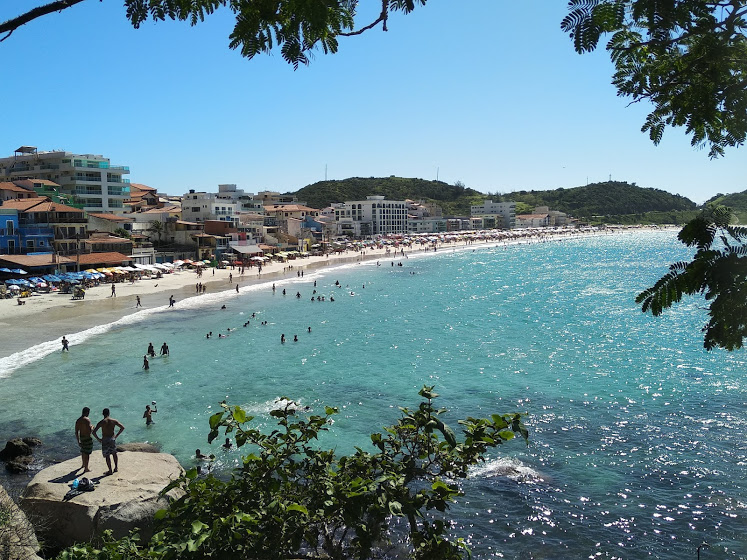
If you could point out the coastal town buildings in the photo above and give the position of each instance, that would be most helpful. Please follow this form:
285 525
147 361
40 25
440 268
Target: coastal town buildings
498 215
87 180
201 206
373 216
542 217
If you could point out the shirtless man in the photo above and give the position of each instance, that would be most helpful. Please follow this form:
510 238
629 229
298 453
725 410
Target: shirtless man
83 428
108 439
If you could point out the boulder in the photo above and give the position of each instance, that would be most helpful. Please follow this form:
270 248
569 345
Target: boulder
122 501
141 447
32 441
19 464
15 448
17 538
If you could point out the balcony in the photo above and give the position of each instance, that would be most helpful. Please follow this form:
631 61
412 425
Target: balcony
84 192
99 165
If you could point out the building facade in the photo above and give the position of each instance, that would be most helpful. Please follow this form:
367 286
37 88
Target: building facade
85 180
506 211
373 216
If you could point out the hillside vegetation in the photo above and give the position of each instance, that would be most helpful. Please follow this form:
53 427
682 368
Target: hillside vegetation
454 199
736 201
600 202
602 199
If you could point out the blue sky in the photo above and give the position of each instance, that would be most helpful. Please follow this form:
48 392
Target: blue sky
487 92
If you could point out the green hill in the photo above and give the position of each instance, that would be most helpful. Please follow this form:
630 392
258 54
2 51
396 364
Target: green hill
454 199
736 201
610 201
602 199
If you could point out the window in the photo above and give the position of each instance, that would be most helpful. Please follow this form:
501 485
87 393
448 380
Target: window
30 244
11 245
10 226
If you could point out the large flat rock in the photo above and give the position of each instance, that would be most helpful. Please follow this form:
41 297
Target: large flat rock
121 501
17 537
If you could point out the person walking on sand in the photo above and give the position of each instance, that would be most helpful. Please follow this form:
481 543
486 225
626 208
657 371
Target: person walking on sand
114 291
237 288
171 301
108 439
83 429
65 344
137 302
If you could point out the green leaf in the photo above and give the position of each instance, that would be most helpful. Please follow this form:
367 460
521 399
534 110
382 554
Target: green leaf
215 420
198 526
239 415
298 507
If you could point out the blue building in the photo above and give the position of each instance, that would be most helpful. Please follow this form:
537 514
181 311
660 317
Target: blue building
20 239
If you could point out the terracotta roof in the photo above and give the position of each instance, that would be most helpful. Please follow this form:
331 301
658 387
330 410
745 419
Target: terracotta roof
164 210
104 258
111 217
106 240
34 260
31 182
15 188
141 187
39 204
289 208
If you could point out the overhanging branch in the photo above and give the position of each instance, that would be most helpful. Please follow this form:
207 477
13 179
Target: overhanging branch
11 25
382 18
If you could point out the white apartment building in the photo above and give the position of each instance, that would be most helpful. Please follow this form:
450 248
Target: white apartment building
489 209
373 216
86 181
223 205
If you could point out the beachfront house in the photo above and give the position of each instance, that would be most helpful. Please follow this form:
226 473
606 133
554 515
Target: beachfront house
495 215
11 191
67 224
373 216
87 179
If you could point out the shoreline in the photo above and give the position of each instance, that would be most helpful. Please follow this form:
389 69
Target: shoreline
48 317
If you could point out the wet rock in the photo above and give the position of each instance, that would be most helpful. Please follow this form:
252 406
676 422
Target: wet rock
19 464
15 448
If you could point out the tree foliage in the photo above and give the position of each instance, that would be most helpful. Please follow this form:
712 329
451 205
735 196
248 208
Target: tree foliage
687 57
600 199
717 271
295 27
453 199
291 499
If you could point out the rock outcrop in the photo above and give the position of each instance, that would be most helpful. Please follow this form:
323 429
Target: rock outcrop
17 454
17 538
121 501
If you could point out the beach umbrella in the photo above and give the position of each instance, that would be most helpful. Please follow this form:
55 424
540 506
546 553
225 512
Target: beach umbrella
18 271
4 270
14 288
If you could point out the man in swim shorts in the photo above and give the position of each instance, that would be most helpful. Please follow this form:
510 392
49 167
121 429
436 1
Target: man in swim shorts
83 428
108 439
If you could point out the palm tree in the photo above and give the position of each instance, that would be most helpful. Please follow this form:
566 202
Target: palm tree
157 228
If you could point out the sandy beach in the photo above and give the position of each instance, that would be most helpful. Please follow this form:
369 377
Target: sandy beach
47 317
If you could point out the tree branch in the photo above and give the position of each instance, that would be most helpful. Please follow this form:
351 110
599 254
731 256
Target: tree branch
11 25
382 18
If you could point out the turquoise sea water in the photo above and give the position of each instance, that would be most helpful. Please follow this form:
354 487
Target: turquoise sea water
637 434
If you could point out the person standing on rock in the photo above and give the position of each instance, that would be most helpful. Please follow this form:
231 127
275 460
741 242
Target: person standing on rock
83 428
108 439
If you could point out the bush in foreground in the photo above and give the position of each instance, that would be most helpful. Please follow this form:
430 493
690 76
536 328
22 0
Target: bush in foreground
293 500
